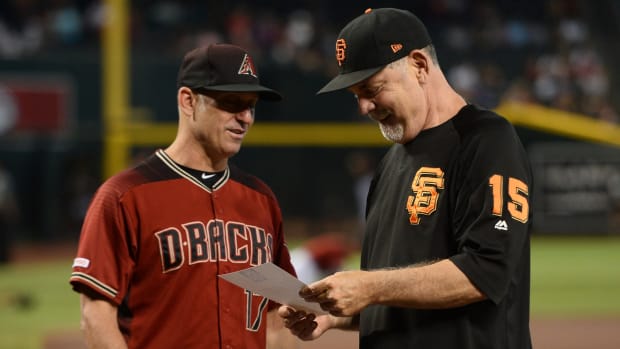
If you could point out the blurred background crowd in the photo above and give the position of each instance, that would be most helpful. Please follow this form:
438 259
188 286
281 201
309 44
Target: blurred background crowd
553 52
560 54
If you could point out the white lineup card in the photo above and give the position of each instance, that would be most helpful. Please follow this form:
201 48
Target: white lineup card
273 282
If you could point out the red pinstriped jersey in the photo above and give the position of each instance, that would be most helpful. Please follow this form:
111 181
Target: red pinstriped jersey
458 191
154 241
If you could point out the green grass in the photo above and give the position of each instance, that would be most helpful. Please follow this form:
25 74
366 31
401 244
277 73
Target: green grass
576 277
571 277
53 306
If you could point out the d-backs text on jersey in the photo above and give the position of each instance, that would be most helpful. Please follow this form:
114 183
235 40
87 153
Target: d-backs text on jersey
216 240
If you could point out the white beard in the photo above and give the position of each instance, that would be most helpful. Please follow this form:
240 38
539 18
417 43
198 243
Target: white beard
392 133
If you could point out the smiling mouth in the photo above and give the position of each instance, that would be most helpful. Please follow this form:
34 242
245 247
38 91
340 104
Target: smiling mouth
237 133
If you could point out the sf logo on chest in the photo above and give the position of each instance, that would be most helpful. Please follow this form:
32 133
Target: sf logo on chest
426 187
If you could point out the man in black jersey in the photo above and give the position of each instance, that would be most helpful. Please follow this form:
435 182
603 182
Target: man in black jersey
446 255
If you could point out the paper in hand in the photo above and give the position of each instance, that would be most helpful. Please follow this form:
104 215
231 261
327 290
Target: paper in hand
271 281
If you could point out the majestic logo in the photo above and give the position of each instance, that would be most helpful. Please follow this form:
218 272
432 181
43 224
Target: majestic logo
247 66
426 186
501 225
396 47
341 45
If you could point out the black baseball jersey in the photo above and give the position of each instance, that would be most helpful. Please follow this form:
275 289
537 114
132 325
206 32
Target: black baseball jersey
155 240
458 191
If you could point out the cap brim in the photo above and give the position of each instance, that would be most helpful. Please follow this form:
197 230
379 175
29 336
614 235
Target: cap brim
263 92
349 79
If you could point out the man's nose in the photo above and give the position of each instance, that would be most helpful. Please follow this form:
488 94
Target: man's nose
246 115
366 105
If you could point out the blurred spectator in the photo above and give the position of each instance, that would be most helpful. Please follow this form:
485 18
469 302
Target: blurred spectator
9 214
519 92
239 27
21 31
491 86
600 108
64 22
466 80
320 256
8 110
82 184
361 169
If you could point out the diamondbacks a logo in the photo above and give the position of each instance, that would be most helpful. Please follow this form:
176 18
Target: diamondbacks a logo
341 45
426 187
247 66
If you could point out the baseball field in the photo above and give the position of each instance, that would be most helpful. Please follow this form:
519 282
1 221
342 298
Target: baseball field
575 297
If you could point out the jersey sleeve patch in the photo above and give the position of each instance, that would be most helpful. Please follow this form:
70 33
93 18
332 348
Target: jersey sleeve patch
81 262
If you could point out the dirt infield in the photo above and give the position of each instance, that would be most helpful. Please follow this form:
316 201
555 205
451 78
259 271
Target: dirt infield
547 333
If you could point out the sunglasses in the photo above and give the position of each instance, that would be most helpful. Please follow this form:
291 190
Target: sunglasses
230 102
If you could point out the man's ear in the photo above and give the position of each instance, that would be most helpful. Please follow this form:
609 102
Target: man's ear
186 100
420 63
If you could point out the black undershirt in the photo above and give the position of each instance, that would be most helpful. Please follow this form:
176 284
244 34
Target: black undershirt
208 178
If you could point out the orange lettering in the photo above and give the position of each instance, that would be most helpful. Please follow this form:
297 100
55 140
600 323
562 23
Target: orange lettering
341 45
425 186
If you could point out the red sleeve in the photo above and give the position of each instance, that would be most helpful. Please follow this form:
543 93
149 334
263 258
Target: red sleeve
104 260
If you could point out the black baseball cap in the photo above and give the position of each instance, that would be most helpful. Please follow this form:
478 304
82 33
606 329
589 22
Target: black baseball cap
222 67
373 40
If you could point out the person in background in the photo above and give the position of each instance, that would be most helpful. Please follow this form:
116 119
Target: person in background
9 214
445 258
361 169
321 256
156 236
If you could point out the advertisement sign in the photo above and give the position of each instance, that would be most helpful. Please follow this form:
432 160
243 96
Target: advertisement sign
576 188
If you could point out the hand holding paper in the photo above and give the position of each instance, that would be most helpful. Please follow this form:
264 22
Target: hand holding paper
272 282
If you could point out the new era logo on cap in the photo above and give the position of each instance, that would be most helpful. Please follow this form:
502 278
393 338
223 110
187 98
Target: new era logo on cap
373 40
396 47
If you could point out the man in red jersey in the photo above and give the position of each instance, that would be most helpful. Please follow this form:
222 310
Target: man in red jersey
157 236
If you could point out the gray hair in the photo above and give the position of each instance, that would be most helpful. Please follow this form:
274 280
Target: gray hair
430 50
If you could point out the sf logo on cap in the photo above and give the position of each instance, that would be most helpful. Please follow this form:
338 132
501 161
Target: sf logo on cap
340 46
247 66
